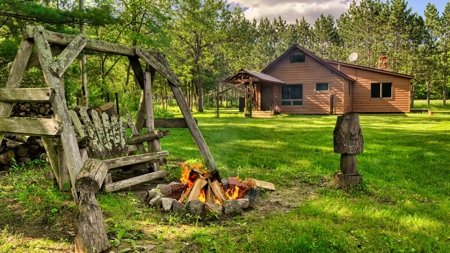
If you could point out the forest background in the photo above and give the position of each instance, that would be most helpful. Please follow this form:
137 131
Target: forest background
207 40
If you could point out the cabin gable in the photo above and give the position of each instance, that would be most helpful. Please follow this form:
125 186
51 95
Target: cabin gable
321 88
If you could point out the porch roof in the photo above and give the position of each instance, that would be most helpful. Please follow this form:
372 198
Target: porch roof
245 75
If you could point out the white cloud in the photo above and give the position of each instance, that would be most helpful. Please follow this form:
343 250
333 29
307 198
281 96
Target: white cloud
290 10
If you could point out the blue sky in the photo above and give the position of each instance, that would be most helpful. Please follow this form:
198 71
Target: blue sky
420 5
290 10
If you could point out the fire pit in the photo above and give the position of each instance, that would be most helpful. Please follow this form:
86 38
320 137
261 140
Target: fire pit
202 191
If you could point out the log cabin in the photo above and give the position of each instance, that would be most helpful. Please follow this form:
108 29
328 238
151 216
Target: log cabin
299 82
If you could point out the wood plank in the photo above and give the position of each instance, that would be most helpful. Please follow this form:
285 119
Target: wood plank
39 95
193 128
135 132
133 159
117 136
96 149
157 60
68 138
77 124
134 181
69 54
30 126
100 131
91 44
109 142
122 134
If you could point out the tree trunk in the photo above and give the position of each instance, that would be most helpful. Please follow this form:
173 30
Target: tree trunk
199 89
444 89
428 93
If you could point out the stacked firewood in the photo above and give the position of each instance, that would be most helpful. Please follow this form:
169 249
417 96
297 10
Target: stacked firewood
20 149
28 109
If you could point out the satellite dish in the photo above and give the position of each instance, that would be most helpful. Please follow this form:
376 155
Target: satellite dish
353 57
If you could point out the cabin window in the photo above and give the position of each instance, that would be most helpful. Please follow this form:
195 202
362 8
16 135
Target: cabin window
381 90
321 86
292 95
297 58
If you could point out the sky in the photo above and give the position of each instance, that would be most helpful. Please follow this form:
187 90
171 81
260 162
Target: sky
290 10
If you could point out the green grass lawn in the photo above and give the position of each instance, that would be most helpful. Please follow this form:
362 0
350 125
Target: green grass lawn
403 205
435 105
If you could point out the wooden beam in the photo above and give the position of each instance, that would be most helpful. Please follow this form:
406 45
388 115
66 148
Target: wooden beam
134 181
92 175
69 54
193 128
172 123
34 58
16 75
68 138
137 69
149 136
30 126
133 159
91 44
27 95
158 61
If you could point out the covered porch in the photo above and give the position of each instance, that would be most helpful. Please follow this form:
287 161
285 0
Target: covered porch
258 91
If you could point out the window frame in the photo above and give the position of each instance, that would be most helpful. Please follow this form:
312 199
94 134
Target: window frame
292 101
323 91
294 58
381 87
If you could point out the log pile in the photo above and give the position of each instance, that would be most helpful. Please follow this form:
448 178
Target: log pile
31 110
21 149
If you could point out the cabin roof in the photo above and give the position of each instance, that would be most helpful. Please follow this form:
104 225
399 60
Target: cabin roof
245 74
370 69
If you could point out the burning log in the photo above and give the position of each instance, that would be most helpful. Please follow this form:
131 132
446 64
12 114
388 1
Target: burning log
200 182
218 191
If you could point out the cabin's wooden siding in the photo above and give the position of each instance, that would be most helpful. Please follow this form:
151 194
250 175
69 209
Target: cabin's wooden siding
362 102
309 73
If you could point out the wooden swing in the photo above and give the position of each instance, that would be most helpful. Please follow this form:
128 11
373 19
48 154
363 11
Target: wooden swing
75 166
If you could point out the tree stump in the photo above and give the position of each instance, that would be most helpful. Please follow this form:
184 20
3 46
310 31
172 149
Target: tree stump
348 141
90 233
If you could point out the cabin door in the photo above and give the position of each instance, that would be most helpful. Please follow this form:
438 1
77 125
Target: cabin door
266 97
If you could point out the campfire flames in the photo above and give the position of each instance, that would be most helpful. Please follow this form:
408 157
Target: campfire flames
208 186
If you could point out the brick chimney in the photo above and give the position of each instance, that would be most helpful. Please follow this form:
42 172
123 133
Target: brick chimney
383 61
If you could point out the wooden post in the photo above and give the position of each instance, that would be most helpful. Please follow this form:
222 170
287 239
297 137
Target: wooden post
155 145
90 235
217 98
348 141
68 138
